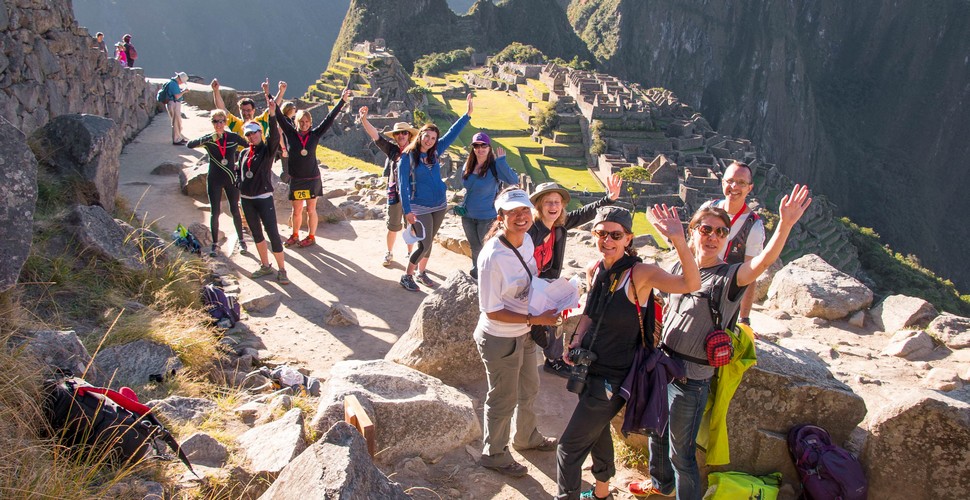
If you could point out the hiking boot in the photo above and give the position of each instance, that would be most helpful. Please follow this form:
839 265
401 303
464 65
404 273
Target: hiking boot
292 240
590 495
308 241
388 259
407 281
547 444
281 278
645 489
262 271
556 367
511 469
422 277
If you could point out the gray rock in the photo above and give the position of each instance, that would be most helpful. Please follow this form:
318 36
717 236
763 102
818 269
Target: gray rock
900 311
167 168
858 319
452 238
943 379
336 466
271 446
132 363
919 444
439 340
952 330
250 411
18 190
763 283
203 449
98 233
810 287
400 401
183 410
335 193
204 234
192 180
149 244
85 146
58 349
261 301
342 315
910 344
328 212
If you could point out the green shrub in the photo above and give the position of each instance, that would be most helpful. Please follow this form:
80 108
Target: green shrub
519 53
573 63
438 62
546 119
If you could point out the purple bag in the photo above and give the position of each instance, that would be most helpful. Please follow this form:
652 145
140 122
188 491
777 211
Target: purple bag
827 471
219 305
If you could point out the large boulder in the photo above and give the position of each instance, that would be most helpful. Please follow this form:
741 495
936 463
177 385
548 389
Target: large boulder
439 341
900 311
182 410
336 466
919 447
60 350
203 449
134 362
269 447
18 190
810 287
909 344
784 389
193 178
952 330
101 235
452 237
87 146
763 283
414 414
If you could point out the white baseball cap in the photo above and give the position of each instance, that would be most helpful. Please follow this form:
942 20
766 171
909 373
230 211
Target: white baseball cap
413 233
251 127
512 199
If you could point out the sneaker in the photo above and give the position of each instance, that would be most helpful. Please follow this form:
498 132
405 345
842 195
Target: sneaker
422 277
645 489
242 249
388 259
556 367
281 278
547 444
262 271
212 251
511 469
407 281
590 495
308 241
292 240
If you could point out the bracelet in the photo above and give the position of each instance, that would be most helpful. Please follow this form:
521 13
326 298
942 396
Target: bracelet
528 319
745 320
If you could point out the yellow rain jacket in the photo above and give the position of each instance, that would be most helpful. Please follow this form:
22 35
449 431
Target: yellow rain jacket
713 434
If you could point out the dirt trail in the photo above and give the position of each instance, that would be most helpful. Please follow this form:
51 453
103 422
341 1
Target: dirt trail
344 267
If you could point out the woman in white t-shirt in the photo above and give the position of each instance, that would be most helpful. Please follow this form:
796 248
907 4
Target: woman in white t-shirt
505 268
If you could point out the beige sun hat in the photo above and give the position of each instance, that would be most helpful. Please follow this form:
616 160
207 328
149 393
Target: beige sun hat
401 127
549 187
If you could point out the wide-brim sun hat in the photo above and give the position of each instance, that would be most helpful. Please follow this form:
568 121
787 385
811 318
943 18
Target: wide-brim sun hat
549 187
512 199
401 127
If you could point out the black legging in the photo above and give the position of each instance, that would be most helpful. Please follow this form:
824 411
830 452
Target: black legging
263 210
218 181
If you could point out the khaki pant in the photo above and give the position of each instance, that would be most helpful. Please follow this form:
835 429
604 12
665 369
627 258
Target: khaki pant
175 113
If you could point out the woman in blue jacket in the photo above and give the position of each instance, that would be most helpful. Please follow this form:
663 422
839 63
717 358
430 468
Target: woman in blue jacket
482 177
423 193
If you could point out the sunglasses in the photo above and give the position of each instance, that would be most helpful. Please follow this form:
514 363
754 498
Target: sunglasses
400 132
216 122
614 235
720 231
480 146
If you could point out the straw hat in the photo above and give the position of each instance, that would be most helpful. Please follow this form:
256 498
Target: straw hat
401 127
549 187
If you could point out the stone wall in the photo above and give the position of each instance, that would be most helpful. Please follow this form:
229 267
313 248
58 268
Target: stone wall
48 67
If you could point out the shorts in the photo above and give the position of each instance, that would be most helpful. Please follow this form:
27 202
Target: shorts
395 217
305 189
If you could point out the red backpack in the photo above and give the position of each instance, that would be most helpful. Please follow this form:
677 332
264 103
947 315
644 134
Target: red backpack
827 471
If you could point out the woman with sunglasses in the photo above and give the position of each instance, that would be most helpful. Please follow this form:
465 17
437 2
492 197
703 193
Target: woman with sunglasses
482 177
221 147
423 193
549 238
620 287
305 185
687 321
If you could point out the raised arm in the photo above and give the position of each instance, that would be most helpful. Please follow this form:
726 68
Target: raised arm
647 276
274 130
586 212
216 95
322 128
364 122
505 172
791 209
452 134
280 92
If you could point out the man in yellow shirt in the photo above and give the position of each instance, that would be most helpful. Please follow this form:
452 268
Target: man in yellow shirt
247 108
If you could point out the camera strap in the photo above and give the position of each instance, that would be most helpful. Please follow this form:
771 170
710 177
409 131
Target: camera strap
505 241
600 296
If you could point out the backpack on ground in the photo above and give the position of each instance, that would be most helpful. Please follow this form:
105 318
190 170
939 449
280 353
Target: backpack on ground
185 240
827 471
162 95
741 486
103 422
223 308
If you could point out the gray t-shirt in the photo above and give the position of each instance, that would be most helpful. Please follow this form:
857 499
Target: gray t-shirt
687 318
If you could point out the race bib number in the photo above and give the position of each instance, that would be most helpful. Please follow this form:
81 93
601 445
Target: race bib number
301 194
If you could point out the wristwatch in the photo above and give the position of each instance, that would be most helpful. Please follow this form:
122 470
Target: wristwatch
528 319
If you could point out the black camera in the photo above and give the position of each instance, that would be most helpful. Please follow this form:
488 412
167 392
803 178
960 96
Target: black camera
581 359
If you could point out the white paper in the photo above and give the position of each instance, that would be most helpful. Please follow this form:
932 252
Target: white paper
559 294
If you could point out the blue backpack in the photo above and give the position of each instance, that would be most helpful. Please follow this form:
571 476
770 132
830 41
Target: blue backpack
223 308
827 471
185 240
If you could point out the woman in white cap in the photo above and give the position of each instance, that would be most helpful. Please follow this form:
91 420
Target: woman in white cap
402 133
484 174
548 234
505 271
175 95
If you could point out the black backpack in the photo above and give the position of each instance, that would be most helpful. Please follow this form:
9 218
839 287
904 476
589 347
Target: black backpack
827 471
103 422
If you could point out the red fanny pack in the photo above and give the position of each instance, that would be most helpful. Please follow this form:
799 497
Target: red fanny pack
719 348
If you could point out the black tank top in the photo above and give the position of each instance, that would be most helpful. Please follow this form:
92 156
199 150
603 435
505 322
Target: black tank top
619 333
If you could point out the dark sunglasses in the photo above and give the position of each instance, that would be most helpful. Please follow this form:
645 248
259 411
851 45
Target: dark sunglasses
480 145
401 132
218 121
720 231
614 235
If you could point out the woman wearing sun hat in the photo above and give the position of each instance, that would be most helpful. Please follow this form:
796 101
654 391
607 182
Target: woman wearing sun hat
400 136
485 171
506 268
549 238
175 93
